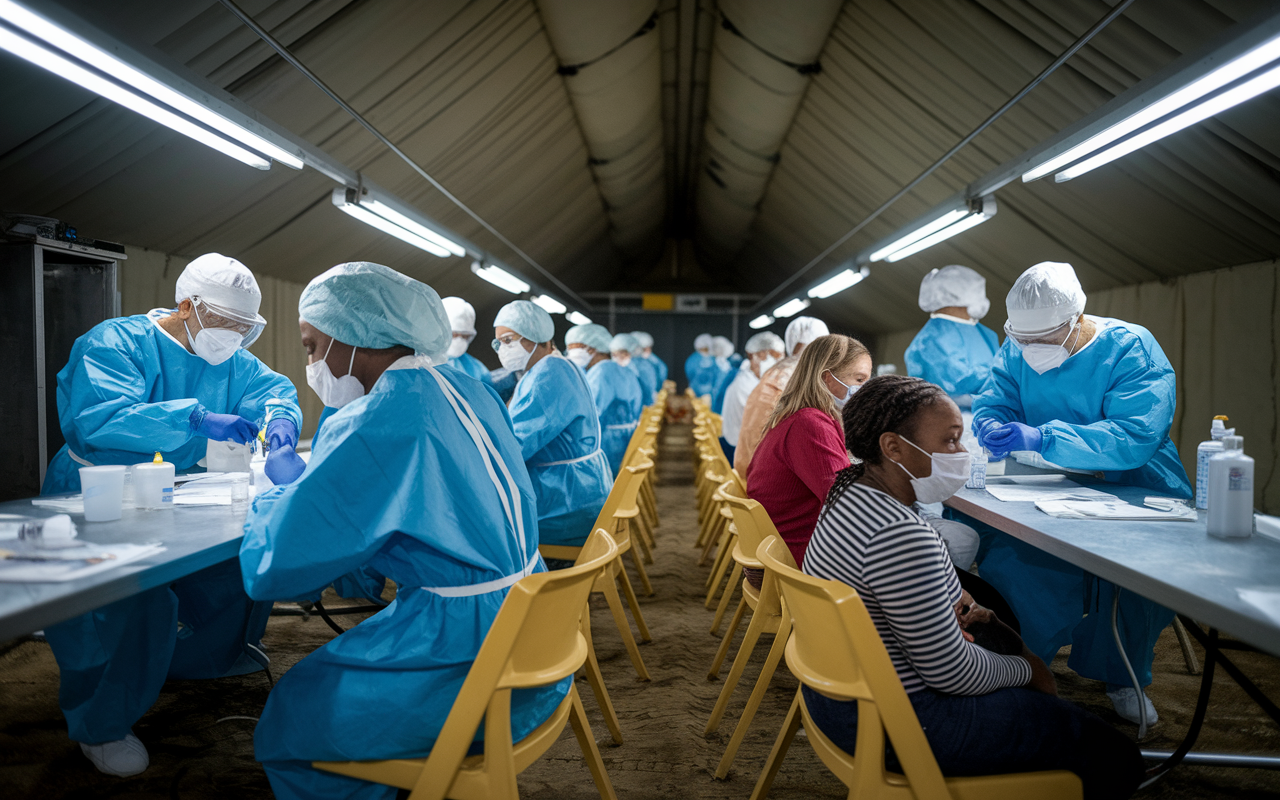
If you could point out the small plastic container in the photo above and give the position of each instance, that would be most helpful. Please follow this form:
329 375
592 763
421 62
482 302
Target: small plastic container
103 489
1231 491
240 489
153 485
977 470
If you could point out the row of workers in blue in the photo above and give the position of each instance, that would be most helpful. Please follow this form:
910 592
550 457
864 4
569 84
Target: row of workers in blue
420 473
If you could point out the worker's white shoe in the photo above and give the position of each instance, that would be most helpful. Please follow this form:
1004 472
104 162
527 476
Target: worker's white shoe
122 758
1125 701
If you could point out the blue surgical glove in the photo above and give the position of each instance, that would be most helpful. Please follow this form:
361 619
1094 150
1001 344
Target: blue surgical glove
223 427
283 465
1014 436
281 432
983 426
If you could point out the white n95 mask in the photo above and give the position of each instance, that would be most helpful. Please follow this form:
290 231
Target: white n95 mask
513 355
849 391
334 392
580 356
457 346
948 472
214 345
766 363
623 361
1044 357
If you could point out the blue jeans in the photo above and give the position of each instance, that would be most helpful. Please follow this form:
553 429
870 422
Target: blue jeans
1009 730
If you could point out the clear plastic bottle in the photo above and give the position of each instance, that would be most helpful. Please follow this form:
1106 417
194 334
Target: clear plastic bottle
1231 491
978 469
1204 452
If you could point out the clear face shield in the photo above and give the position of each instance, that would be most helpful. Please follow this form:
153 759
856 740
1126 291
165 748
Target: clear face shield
1054 336
248 326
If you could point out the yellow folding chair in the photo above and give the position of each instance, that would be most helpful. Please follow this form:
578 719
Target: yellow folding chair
535 640
836 650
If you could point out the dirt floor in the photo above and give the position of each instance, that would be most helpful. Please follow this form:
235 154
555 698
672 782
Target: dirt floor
200 734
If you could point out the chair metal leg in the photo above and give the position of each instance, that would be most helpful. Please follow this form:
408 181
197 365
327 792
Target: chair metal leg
635 605
624 627
789 727
757 695
587 741
723 650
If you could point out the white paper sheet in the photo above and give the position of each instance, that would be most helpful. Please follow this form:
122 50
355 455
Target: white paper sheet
1112 509
12 571
1031 488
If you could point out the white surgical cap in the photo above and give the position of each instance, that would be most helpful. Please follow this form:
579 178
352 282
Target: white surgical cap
1043 298
643 338
372 306
804 330
221 281
721 347
764 341
955 285
592 335
624 342
527 319
703 342
462 316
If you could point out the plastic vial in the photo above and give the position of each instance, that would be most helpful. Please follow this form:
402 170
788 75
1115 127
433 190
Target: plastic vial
1204 452
1231 491
978 469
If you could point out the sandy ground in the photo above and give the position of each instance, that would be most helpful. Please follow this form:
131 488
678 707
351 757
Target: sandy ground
200 733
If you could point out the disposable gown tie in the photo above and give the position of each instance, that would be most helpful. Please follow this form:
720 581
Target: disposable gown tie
617 395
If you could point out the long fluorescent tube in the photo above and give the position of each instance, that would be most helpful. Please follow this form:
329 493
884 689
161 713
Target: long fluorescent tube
942 235
43 57
941 229
839 282
340 199
500 278
1233 70
791 308
950 218
387 212
98 58
548 304
762 321
1214 105
577 318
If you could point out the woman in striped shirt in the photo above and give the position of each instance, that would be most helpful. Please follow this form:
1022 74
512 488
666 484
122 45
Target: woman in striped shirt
982 712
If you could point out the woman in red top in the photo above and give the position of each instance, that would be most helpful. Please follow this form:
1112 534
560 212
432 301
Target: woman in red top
803 446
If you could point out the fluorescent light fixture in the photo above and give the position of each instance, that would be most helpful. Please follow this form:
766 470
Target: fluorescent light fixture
1212 81
344 199
548 304
839 282
387 212
762 321
941 229
791 308
499 277
577 318
65 43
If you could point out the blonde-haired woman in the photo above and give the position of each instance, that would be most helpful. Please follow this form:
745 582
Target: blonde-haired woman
803 446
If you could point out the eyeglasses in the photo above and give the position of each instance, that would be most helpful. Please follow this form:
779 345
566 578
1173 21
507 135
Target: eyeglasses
510 338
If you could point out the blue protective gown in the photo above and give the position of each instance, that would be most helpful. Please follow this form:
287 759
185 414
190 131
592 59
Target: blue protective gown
397 483
660 370
643 370
1109 408
555 420
701 372
954 355
127 391
618 399
723 381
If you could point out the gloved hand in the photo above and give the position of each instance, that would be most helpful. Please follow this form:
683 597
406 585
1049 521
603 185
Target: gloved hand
284 465
983 426
281 432
227 428
1013 436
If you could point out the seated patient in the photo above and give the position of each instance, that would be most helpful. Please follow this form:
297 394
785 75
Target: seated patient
419 476
982 712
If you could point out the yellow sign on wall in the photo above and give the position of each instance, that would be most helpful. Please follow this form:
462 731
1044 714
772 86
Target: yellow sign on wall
658 302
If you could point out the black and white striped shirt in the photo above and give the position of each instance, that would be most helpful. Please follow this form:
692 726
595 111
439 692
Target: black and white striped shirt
900 568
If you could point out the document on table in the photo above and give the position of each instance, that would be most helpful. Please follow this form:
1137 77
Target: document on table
1115 509
1032 488
67 565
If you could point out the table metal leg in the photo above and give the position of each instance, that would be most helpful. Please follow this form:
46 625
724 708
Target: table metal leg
1172 759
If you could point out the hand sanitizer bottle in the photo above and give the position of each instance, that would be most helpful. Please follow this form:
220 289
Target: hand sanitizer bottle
1231 491
1204 452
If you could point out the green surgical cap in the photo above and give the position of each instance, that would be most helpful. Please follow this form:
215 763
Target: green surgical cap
375 307
526 319
592 335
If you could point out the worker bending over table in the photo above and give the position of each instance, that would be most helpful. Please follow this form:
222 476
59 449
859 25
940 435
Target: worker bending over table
1088 394
421 477
167 381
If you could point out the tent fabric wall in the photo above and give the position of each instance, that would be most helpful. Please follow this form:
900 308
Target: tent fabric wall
1220 332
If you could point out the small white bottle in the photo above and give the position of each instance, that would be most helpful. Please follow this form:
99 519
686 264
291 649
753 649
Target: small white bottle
978 469
1204 452
1231 491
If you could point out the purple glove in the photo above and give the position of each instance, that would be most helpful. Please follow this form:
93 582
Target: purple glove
1013 436
983 426
283 465
225 427
281 432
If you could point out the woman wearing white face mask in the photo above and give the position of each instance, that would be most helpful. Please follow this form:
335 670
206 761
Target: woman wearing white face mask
555 420
803 446
984 711
1086 393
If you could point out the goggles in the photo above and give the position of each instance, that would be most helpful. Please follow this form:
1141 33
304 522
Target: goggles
249 326
508 339
1057 335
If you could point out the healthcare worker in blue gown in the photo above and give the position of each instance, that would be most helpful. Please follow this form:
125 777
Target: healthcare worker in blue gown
462 318
1089 394
616 389
555 421
726 370
954 350
624 349
419 475
167 381
646 353
700 366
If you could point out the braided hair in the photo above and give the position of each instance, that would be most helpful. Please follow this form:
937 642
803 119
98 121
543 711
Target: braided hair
884 404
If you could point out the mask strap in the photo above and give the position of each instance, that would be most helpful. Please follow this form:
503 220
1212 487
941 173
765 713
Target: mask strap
352 363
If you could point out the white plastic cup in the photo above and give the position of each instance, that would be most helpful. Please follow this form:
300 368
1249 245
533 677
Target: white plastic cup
103 489
153 485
